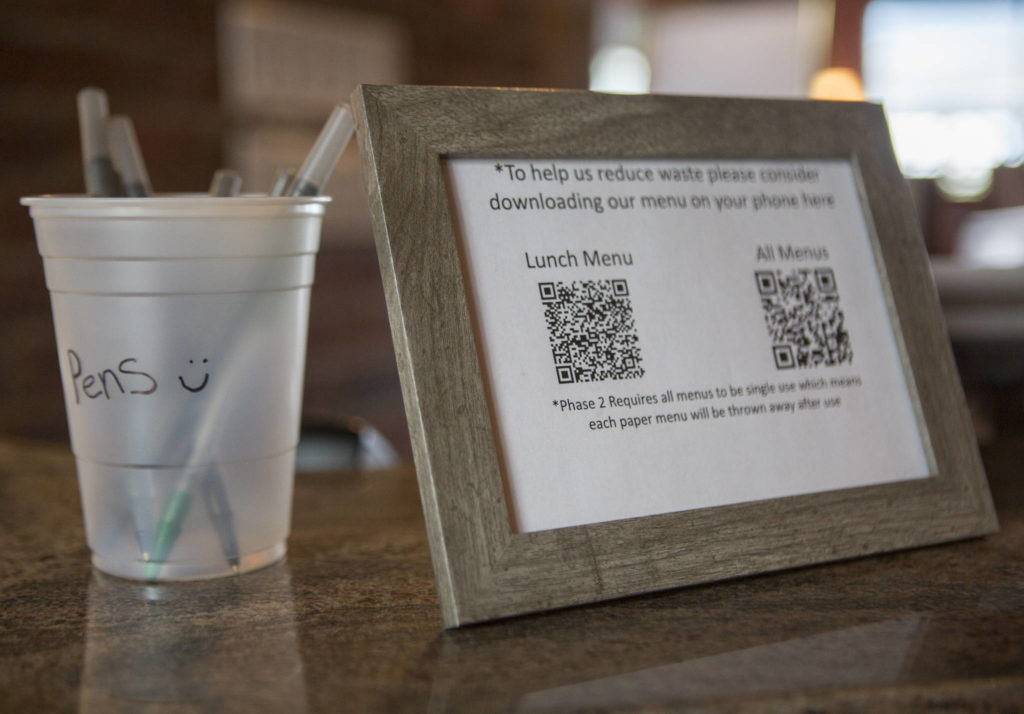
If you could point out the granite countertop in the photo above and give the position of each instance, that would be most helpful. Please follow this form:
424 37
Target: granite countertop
350 622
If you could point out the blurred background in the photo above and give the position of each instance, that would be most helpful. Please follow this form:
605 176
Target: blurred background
247 84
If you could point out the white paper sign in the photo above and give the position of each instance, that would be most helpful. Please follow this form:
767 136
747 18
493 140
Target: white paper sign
665 335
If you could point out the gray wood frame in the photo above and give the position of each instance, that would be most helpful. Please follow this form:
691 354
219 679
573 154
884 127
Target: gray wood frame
484 570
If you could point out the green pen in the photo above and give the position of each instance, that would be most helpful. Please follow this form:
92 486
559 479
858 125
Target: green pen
308 181
169 527
175 511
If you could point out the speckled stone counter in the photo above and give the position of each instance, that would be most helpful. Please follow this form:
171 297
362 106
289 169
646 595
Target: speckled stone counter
350 622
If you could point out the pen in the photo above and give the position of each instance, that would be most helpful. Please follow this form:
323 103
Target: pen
217 505
113 166
310 180
211 487
100 177
312 176
169 527
282 181
141 495
226 182
124 147
201 465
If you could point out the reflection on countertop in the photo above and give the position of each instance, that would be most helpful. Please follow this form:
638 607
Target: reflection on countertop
874 653
351 622
230 644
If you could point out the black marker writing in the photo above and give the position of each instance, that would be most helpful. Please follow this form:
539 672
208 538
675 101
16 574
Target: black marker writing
124 370
202 385
103 383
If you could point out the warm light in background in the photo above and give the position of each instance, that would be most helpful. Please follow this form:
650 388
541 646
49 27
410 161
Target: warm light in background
621 69
620 63
836 83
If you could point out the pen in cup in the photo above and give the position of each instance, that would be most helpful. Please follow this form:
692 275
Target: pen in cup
219 509
141 495
226 182
169 527
282 181
100 177
202 470
215 497
127 158
312 176
112 159
310 180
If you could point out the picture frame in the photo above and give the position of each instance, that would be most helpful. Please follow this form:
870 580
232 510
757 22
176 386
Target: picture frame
486 567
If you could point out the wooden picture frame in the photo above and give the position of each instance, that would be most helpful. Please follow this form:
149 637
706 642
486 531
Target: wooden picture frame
484 567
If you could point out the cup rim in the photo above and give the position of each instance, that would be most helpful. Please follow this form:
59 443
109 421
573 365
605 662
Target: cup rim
81 200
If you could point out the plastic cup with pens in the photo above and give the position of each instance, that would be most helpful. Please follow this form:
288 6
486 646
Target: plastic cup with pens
181 334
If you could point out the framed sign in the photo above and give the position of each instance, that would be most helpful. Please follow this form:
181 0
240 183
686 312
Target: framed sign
655 341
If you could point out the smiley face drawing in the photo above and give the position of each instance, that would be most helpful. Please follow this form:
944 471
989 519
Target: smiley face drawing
202 385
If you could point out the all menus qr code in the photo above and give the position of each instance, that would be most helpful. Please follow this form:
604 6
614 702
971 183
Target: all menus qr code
806 325
591 330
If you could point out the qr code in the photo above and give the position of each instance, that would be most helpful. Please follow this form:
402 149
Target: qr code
805 322
591 330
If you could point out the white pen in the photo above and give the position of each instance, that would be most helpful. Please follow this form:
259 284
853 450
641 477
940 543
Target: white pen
282 181
226 182
124 147
100 177
323 157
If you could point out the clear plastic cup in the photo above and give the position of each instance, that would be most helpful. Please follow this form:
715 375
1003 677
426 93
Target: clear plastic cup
181 334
